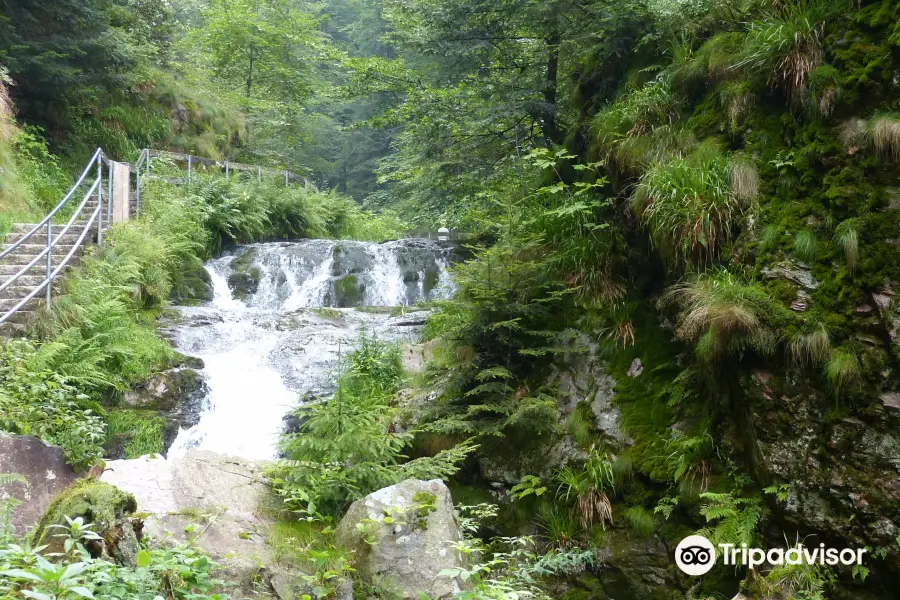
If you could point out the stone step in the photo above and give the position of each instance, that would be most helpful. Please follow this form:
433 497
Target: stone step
30 250
41 238
8 269
57 227
8 303
17 292
31 279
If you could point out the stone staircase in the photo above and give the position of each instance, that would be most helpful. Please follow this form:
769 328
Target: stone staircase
25 253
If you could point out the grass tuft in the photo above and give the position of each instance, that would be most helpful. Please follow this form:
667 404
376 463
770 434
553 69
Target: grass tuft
805 245
842 370
885 134
689 203
811 348
847 237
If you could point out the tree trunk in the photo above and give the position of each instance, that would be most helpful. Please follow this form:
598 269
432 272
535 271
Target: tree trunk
548 116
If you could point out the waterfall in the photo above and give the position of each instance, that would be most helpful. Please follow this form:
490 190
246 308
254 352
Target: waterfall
266 340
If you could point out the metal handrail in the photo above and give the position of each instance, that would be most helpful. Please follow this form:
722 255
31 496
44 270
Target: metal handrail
59 206
47 284
143 162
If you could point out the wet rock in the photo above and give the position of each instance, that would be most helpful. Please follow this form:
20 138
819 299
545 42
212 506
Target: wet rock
347 292
407 555
349 259
178 393
244 283
46 475
108 508
245 275
193 284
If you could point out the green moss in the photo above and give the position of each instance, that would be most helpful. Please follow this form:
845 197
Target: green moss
97 502
328 313
348 291
139 432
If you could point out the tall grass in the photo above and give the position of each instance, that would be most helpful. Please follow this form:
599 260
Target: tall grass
842 370
725 316
885 133
692 204
811 347
805 245
787 44
846 235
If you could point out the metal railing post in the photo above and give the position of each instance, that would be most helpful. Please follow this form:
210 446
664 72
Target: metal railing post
189 168
109 185
258 174
285 178
100 202
227 170
49 258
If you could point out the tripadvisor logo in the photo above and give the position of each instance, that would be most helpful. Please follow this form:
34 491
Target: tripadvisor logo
696 555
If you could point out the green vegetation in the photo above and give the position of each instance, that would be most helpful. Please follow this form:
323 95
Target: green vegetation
141 432
345 448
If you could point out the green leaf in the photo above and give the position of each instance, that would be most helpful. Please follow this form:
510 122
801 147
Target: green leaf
143 559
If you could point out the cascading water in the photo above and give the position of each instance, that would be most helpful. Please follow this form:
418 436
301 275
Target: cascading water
300 308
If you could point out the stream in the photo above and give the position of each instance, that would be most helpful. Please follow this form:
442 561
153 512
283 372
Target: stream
281 315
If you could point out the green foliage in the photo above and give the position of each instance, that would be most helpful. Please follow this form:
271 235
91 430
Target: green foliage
142 430
846 235
842 370
805 245
179 573
641 520
346 449
692 204
811 347
7 505
733 519
36 400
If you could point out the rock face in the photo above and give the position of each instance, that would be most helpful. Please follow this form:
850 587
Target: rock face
583 386
844 473
220 495
45 472
405 556
627 569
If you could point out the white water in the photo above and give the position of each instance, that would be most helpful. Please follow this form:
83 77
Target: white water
262 354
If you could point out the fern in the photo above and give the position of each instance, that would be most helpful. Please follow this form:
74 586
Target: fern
733 520
8 505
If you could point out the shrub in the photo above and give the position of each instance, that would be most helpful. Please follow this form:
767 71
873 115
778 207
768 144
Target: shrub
141 431
346 447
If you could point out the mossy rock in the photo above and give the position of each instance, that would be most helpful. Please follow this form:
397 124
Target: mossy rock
105 506
244 283
348 291
193 284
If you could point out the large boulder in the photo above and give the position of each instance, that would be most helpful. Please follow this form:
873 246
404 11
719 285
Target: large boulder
403 540
214 501
107 508
45 472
